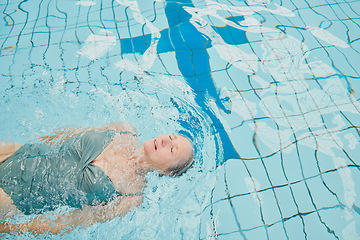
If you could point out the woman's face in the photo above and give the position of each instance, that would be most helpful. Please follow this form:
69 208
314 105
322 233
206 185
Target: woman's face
166 151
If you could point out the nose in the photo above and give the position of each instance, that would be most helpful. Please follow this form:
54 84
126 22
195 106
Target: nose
165 141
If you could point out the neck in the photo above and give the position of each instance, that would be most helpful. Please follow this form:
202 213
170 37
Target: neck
138 161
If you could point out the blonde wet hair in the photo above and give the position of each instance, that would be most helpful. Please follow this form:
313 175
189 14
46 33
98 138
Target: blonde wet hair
180 169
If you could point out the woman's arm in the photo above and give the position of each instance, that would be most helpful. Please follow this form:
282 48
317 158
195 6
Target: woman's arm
78 218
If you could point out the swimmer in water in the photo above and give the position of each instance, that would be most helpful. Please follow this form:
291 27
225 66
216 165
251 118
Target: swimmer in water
99 172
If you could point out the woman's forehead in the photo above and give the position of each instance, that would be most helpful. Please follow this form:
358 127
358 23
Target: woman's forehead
185 145
183 139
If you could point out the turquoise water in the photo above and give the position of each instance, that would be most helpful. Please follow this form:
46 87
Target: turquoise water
268 90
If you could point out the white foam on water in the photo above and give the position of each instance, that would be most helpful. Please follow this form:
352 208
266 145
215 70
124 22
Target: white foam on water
147 59
327 37
349 232
246 62
252 185
353 142
85 3
96 46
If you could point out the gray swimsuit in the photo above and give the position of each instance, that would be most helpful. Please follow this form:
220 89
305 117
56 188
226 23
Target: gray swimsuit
40 177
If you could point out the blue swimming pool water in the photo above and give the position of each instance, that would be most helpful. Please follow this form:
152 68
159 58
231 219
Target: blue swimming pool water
268 90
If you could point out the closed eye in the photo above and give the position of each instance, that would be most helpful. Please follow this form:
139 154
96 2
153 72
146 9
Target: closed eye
171 150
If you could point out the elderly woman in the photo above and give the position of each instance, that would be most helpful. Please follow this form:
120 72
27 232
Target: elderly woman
100 172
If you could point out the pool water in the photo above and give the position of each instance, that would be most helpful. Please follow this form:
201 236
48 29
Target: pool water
268 91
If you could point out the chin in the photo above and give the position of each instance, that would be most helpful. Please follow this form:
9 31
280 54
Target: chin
148 146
